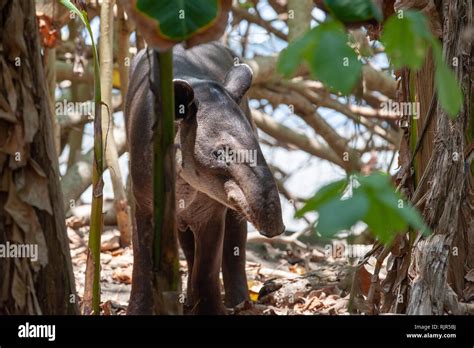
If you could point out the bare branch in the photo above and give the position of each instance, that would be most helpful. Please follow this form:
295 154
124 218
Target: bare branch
278 131
244 14
307 112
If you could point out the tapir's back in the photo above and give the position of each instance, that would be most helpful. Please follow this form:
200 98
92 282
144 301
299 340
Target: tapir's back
209 61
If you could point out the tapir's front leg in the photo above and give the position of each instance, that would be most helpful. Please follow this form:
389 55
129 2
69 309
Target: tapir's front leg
233 259
209 237
141 297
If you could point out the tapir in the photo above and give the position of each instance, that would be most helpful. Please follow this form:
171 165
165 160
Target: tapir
222 179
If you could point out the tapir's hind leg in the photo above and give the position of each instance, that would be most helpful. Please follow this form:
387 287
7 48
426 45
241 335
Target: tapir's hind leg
233 260
186 240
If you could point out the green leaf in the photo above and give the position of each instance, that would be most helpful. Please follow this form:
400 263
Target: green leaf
332 61
354 10
290 58
329 192
71 7
384 219
328 55
330 58
406 39
419 24
413 218
449 92
389 213
374 201
180 19
377 181
337 215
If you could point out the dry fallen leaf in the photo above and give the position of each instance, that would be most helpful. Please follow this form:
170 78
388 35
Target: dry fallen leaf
110 240
75 222
298 269
106 308
254 289
49 34
364 280
123 275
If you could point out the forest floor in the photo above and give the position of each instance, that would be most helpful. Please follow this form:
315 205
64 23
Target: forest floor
282 280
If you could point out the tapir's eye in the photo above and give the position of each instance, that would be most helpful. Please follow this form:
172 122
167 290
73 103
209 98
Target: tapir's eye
223 155
216 154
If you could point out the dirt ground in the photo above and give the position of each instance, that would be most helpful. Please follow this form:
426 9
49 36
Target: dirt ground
285 280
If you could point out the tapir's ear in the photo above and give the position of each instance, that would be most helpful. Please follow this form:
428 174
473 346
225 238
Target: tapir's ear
238 80
185 105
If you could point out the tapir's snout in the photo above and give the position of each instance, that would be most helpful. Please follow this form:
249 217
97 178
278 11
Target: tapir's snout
270 222
257 199
274 232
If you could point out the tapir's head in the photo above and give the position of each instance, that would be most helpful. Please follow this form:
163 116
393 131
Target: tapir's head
220 154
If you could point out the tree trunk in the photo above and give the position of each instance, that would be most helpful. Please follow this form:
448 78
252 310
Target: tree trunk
111 154
443 179
31 208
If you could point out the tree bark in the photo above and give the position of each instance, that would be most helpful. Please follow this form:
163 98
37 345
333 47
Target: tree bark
31 209
441 261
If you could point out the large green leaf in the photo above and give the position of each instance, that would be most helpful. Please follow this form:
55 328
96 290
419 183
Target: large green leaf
338 215
292 56
333 62
449 92
354 10
411 216
180 19
384 219
328 55
373 201
325 194
406 39
376 181
164 23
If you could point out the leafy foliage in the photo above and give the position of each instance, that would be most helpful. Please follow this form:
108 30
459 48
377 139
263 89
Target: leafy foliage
165 23
179 19
329 57
373 201
449 93
406 39
354 10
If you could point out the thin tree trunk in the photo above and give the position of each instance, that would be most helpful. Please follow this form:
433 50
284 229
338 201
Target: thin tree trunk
111 154
123 54
79 176
31 209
